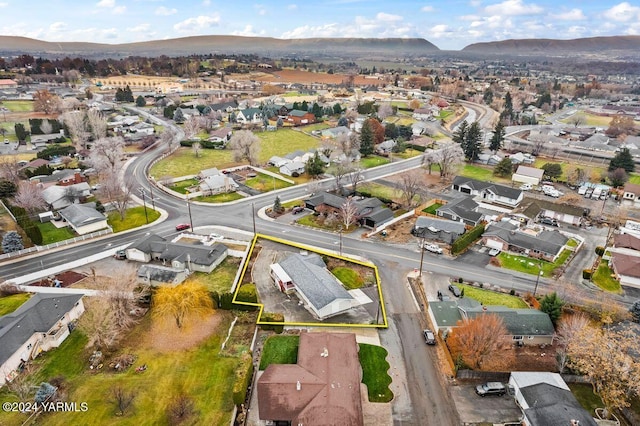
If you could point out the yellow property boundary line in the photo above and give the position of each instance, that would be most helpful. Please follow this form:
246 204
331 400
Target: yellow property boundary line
315 250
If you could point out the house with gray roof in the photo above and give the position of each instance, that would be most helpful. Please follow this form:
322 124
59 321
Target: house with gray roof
40 324
437 229
488 192
546 400
566 213
371 212
58 197
463 210
84 218
536 242
386 147
524 326
334 132
156 275
308 277
217 184
249 115
140 251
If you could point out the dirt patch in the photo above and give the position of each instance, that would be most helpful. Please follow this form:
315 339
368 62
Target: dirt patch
399 232
299 76
165 336
66 279
432 181
534 358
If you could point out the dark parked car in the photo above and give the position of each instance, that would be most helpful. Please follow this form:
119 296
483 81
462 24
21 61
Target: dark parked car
182 227
297 209
548 221
455 290
491 388
429 337
442 297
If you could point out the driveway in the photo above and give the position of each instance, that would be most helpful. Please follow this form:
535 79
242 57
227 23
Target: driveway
476 255
474 409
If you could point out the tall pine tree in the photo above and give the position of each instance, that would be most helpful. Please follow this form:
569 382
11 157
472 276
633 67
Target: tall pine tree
461 133
623 160
498 137
366 139
472 145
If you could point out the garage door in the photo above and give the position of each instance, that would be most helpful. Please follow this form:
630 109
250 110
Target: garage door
494 244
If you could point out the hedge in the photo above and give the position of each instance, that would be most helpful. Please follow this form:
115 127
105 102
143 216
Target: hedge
244 373
600 251
272 317
27 225
225 300
465 240
586 274
56 151
417 147
247 293
369 195
204 144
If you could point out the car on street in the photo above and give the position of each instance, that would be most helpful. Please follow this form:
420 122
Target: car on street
494 252
297 209
183 227
429 337
455 290
548 221
433 248
120 255
442 297
491 388
215 237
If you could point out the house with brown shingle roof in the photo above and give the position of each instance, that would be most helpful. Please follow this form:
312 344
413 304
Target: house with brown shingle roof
626 268
323 388
631 193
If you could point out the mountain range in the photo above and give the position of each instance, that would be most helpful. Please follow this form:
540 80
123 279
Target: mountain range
345 48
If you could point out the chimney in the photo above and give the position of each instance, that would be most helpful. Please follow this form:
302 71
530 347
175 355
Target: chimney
298 385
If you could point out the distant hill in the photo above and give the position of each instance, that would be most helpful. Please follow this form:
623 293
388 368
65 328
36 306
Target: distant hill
580 46
263 46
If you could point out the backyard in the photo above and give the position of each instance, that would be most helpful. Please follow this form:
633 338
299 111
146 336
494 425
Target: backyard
492 298
605 278
221 279
265 183
51 234
483 174
12 302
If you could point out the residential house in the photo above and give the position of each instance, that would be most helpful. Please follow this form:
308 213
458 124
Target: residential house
142 128
323 295
217 184
526 174
84 218
208 173
325 202
34 164
626 268
67 179
386 147
294 168
522 158
545 399
40 141
224 107
372 212
249 116
58 197
201 258
566 213
156 275
322 387
420 128
169 87
422 113
437 229
334 132
221 135
538 243
60 176
141 251
626 244
298 117
278 161
524 326
488 192
39 324
7 83
463 210
631 194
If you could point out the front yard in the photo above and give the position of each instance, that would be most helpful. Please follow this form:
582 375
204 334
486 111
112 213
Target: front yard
134 218
605 278
12 302
219 198
491 298
532 266
266 183
51 234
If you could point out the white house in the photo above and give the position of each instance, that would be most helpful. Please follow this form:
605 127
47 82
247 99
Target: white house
40 324
84 219
525 174
58 197
217 184
487 191
295 167
249 115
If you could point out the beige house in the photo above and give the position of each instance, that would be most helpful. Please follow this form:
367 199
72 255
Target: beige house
526 174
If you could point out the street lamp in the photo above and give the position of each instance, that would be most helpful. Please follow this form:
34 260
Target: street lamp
535 290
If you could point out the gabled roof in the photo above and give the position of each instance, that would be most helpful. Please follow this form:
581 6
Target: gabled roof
632 187
463 208
626 241
535 206
217 181
438 225
38 314
553 406
250 112
625 264
478 185
185 253
329 199
322 388
144 244
549 242
530 171
298 113
81 215
312 278
519 322
158 273
209 172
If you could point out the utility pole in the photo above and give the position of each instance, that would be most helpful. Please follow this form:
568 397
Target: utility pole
421 255
340 240
535 290
144 203
189 207
253 216
153 201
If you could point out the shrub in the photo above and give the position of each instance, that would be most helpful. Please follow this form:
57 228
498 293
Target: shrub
512 292
600 251
244 373
247 293
586 274
465 240
460 280
272 317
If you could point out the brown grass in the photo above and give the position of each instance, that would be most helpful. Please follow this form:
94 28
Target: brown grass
165 336
300 76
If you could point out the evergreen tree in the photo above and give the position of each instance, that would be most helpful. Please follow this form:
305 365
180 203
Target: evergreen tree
622 160
504 168
277 205
552 170
11 241
635 311
315 166
128 94
140 102
7 188
317 110
507 111
337 109
304 106
178 116
472 145
21 132
552 305
343 121
498 137
459 136
366 139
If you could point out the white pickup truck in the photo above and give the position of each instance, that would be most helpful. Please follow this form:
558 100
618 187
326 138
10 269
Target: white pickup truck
433 248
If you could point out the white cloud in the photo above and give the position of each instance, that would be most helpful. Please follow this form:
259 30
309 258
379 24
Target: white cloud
139 28
292 7
165 11
119 10
475 3
427 9
387 17
199 23
440 30
512 8
326 30
570 15
106 3
247 32
206 2
4 4
622 12
57 26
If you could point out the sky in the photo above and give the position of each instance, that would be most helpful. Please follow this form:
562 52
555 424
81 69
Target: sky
449 24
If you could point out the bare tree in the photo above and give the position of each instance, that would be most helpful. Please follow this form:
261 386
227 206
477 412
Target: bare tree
385 110
342 169
568 329
348 212
191 127
9 168
180 410
245 146
182 302
70 104
577 119
410 183
168 137
29 197
97 124
537 145
117 191
122 399
355 177
46 102
429 158
75 122
98 324
106 155
46 127
196 147
450 158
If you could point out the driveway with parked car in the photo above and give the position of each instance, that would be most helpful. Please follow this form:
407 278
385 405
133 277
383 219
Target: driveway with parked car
474 409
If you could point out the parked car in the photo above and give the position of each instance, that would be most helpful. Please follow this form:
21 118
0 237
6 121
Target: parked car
183 227
491 388
433 248
455 290
526 187
297 209
429 337
548 221
215 237
442 297
494 252
120 255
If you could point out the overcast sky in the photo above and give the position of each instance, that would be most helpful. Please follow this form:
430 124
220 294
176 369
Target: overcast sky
449 24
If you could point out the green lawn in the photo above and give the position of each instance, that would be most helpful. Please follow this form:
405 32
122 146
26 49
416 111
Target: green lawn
372 161
530 266
572 243
375 372
378 190
201 373
181 187
634 178
591 120
221 279
488 297
51 234
12 302
219 198
284 141
134 218
348 277
294 203
315 126
265 183
18 106
585 396
432 208
280 350
444 114
604 278
408 153
483 174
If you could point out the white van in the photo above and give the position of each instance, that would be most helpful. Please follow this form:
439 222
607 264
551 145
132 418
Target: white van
526 187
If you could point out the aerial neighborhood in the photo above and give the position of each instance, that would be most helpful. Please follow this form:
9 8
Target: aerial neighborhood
285 239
